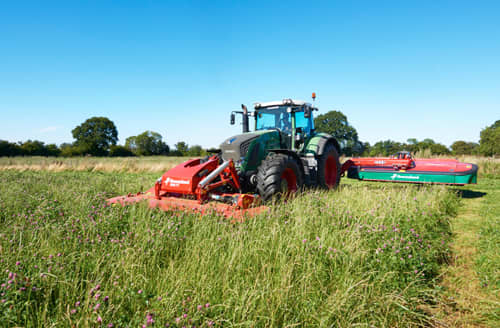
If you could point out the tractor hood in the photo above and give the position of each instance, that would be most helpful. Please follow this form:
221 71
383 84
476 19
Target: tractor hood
236 147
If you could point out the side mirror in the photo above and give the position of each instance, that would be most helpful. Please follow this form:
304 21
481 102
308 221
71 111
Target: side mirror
232 118
307 112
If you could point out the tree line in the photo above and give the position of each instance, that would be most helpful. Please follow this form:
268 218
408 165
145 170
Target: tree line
98 136
336 124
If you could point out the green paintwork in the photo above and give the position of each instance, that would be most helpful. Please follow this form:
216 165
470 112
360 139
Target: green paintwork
405 176
268 139
313 143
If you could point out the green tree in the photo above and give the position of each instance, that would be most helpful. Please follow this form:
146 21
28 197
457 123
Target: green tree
33 148
464 148
412 141
9 148
147 143
411 145
53 150
439 149
425 144
335 123
489 143
196 150
385 148
95 135
66 149
181 148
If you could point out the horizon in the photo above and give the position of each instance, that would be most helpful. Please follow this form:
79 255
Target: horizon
396 70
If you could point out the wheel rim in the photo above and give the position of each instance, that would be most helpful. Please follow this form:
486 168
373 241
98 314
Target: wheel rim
288 180
331 171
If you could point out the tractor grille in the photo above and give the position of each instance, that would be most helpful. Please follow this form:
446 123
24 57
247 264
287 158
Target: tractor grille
237 147
244 147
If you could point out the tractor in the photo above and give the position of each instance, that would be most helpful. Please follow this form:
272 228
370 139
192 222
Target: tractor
283 153
279 157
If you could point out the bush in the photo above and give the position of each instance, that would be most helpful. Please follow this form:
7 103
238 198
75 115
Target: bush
120 151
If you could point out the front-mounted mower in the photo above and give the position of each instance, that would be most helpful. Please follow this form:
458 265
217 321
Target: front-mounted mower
280 156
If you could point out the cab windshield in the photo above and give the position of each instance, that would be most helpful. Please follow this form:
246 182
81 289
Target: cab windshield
272 118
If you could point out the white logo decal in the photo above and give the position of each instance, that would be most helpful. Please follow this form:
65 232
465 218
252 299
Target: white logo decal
411 177
175 183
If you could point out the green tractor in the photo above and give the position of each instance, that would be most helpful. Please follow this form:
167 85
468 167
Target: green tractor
284 153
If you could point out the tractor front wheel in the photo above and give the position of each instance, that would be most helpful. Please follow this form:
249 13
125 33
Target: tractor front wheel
280 175
329 168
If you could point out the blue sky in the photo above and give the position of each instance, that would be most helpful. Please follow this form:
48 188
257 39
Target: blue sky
397 69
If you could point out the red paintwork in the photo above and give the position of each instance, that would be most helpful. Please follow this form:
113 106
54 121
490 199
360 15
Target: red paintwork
425 164
184 179
237 213
291 180
331 171
179 189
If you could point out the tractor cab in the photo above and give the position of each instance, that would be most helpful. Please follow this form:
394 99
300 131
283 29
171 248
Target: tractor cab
292 118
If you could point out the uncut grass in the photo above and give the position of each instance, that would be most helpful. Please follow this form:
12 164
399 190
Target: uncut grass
488 166
363 255
91 164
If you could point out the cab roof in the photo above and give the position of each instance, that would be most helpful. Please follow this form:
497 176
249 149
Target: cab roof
284 102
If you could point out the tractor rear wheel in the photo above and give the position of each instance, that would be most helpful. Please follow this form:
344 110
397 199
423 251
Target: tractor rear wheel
329 168
280 175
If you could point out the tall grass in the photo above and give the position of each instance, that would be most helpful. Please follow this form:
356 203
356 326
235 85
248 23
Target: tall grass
488 166
91 164
365 255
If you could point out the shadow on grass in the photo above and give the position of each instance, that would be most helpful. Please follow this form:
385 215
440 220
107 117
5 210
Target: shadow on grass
464 193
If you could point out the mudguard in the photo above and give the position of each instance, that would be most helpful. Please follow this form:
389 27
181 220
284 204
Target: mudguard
316 144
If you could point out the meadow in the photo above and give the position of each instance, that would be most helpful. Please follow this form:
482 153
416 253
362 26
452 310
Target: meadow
160 164
366 255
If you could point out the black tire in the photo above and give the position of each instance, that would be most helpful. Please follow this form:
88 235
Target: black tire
329 168
278 175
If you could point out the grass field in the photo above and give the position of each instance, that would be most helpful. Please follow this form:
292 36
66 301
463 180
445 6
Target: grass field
159 164
365 255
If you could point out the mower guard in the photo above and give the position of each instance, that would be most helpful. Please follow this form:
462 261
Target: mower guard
189 205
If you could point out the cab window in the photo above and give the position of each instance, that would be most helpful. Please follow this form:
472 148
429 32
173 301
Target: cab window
272 118
305 123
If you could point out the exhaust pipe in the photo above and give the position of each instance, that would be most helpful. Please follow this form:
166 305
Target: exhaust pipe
245 118
214 174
